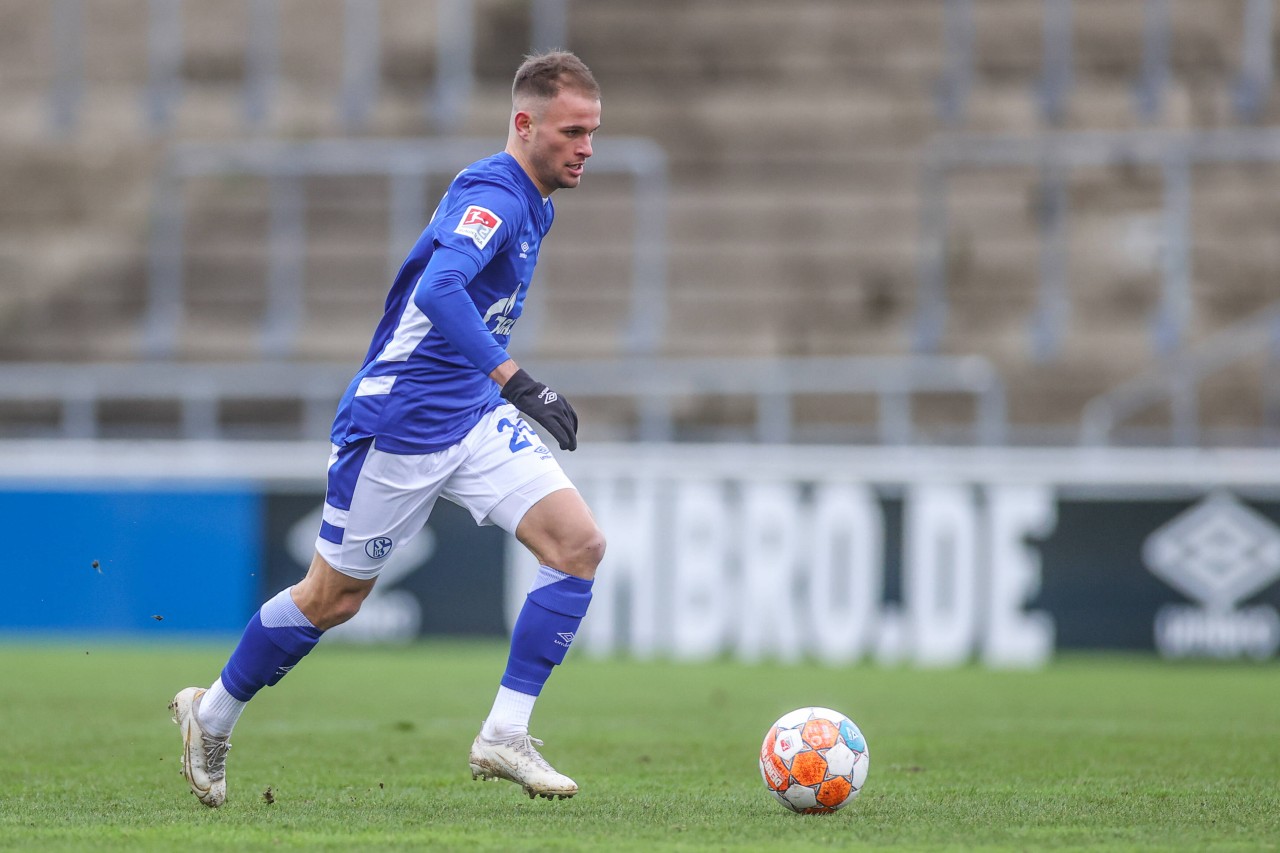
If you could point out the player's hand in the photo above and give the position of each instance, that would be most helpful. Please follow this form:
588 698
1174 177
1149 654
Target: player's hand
545 406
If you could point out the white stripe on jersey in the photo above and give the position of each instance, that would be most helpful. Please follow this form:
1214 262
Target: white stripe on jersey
372 386
410 331
333 515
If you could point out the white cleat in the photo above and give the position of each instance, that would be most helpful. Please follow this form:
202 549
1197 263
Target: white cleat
204 758
517 760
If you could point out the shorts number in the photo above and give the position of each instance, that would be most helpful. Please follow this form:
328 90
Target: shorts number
519 430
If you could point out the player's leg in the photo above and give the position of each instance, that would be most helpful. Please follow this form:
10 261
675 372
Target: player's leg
373 501
562 534
511 480
276 639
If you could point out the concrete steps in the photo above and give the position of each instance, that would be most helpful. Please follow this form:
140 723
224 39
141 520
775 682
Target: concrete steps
794 134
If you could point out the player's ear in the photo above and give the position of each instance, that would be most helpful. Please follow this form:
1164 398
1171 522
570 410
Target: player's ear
523 124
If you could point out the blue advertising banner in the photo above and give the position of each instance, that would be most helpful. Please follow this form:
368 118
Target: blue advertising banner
147 560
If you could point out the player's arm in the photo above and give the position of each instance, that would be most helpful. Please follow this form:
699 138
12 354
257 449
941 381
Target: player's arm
441 294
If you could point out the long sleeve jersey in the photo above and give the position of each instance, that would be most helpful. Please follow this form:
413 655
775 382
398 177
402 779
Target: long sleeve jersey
448 317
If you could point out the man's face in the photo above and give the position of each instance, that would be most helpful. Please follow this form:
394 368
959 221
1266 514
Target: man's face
560 140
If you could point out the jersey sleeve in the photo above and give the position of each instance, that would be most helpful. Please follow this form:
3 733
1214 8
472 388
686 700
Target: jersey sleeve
473 225
441 294
479 220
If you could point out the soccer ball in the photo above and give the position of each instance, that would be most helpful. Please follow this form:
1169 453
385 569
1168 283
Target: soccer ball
814 760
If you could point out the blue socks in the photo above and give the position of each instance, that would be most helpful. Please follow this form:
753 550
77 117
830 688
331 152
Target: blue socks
276 638
279 636
544 629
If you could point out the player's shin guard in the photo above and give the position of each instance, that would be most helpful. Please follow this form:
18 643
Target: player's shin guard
276 638
544 629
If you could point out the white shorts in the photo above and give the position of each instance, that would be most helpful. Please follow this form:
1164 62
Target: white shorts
377 501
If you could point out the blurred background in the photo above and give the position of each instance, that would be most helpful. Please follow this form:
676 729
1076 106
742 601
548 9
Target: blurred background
951 323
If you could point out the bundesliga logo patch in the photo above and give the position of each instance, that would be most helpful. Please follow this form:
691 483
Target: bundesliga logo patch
478 223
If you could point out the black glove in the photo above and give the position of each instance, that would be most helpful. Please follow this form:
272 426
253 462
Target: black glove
545 406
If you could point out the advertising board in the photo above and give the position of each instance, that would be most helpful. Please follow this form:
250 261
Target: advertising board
921 556
153 560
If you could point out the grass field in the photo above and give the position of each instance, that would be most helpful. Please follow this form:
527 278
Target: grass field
365 749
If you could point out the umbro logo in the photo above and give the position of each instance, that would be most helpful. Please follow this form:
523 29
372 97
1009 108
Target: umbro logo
564 639
1219 553
548 396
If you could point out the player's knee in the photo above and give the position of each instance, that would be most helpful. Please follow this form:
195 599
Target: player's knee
326 597
584 553
347 606
596 547
337 607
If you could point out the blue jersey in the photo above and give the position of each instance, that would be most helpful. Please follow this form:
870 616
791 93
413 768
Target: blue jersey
425 381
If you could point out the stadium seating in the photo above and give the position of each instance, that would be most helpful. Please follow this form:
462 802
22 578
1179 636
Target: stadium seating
795 136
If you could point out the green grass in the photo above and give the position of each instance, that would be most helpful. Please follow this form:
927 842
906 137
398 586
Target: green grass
366 749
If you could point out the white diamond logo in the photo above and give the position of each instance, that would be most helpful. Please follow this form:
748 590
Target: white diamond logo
1219 552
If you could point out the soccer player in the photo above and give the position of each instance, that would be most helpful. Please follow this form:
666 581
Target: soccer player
436 410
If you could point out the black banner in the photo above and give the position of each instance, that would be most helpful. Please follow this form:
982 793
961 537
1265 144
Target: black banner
1186 578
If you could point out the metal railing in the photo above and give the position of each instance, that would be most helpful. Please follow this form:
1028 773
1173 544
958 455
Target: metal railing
1249 88
409 164
1154 77
455 44
1056 154
656 388
444 106
1057 75
1176 381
